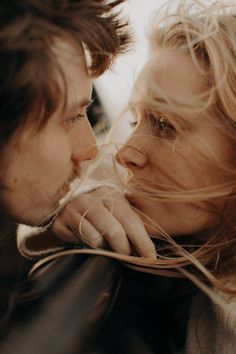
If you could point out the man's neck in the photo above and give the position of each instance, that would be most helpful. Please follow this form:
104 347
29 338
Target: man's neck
9 254
7 229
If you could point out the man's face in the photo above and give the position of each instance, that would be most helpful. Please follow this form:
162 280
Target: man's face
38 167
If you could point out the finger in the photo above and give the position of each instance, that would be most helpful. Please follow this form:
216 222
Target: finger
110 228
76 230
64 233
88 234
133 227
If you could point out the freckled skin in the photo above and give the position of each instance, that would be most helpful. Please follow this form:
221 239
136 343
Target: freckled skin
177 163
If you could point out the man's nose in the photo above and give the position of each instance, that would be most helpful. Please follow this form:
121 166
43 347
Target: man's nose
131 157
85 147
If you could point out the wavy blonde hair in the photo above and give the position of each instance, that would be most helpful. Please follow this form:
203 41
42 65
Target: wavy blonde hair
207 32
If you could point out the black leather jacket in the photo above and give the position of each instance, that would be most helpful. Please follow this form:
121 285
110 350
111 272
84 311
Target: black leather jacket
94 305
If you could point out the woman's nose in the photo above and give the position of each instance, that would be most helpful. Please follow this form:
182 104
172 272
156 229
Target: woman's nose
131 157
85 146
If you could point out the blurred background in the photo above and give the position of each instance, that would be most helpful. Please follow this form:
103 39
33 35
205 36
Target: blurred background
112 90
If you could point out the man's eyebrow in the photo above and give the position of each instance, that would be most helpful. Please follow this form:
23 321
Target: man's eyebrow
81 104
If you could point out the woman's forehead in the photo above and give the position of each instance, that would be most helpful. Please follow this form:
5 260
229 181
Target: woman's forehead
168 73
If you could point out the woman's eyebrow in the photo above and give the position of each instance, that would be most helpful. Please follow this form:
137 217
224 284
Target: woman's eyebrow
132 106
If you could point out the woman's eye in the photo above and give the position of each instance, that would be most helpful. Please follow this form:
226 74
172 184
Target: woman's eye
162 123
71 122
133 123
163 127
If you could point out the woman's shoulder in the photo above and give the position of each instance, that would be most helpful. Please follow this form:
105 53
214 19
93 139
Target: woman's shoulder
212 324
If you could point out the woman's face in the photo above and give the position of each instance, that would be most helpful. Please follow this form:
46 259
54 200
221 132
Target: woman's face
161 158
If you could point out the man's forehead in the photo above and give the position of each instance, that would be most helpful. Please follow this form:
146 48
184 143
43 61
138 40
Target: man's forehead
70 60
74 80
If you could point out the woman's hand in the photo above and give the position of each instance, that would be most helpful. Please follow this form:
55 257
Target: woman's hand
104 215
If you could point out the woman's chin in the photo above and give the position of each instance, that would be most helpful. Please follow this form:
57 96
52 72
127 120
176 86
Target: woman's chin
143 212
150 227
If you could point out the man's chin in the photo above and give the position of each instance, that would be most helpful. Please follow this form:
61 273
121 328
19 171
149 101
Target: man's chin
45 217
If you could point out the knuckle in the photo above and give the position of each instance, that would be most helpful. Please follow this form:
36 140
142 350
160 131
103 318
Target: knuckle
92 241
115 233
97 242
126 251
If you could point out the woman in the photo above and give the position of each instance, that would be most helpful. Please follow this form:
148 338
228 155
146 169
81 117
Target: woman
180 161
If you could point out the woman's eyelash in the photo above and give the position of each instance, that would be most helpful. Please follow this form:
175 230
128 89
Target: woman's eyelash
159 124
133 124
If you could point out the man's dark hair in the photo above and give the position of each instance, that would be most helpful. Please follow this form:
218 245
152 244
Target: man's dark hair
28 82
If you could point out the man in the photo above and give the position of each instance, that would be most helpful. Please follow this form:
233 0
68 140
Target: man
45 88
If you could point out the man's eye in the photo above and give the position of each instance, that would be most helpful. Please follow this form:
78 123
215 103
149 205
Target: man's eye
71 122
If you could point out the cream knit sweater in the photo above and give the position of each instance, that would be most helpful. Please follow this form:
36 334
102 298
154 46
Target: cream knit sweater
211 328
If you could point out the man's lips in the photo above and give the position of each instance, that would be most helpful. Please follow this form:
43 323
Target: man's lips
65 188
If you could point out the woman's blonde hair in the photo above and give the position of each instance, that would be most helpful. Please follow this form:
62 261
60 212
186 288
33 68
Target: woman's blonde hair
207 32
